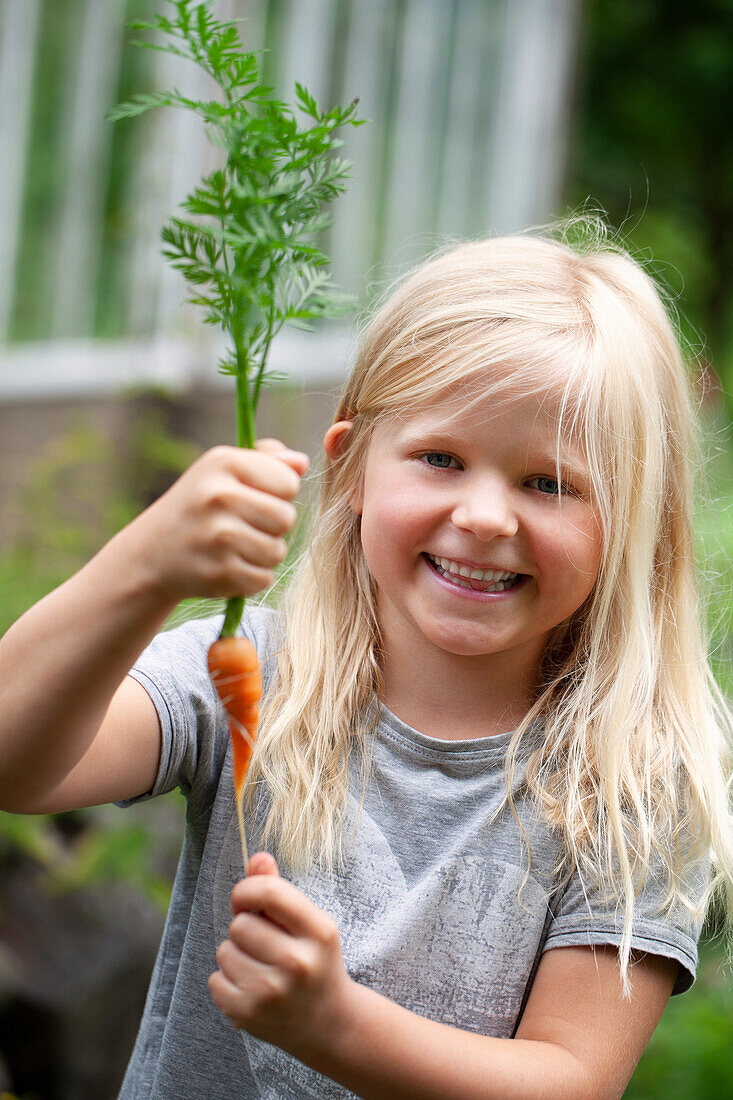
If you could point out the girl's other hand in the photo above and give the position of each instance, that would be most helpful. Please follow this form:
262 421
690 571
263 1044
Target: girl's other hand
281 974
219 530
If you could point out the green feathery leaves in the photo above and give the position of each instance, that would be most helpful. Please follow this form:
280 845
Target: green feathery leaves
246 243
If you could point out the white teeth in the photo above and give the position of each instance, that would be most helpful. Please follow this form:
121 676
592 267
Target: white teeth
488 575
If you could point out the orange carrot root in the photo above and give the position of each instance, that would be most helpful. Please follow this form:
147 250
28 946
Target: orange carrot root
235 673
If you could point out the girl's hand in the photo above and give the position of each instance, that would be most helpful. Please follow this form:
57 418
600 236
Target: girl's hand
282 976
218 531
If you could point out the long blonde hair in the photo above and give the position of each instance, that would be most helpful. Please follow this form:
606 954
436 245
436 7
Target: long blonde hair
633 763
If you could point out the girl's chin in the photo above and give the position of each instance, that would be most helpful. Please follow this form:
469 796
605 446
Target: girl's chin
456 639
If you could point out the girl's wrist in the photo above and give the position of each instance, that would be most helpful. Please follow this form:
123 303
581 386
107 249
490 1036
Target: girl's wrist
124 567
337 1044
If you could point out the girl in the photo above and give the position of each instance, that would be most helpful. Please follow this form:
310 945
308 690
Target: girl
491 755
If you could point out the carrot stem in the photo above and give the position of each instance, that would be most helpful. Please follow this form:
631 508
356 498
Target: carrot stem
232 616
240 821
245 438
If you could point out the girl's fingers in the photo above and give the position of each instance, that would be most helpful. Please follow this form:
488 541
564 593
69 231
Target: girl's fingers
266 471
284 904
260 940
264 511
297 460
246 581
253 933
251 467
226 991
262 863
258 548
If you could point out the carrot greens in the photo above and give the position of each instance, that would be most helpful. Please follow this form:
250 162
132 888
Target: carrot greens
247 243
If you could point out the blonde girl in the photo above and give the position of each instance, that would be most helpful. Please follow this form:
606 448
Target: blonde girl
492 761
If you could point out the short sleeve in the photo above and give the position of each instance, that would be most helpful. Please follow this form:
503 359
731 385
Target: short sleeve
583 919
194 732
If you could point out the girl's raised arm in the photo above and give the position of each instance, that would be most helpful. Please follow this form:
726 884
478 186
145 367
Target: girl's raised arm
73 730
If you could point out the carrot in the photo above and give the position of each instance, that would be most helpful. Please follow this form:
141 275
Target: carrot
235 673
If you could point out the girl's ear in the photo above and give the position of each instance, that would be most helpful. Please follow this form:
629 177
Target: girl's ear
334 442
336 437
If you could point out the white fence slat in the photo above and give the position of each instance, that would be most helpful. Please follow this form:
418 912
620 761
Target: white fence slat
467 66
254 16
485 151
353 238
529 146
190 155
411 161
175 156
19 22
172 157
306 48
87 147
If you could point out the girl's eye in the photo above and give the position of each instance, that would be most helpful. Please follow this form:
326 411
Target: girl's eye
548 485
439 461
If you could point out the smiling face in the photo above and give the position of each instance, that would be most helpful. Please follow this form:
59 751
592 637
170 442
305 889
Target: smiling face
473 551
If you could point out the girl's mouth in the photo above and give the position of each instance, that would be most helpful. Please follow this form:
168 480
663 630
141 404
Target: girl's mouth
477 580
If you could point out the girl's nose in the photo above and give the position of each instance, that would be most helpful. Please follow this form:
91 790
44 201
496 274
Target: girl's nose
487 513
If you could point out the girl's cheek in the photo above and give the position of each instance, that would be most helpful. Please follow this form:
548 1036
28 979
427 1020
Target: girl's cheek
576 550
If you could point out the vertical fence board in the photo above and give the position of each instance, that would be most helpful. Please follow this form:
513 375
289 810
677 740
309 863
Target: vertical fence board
478 221
19 20
190 155
413 166
454 214
305 48
529 145
87 141
353 241
173 154
254 16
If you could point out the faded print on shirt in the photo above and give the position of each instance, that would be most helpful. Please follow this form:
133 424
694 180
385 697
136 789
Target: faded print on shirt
455 946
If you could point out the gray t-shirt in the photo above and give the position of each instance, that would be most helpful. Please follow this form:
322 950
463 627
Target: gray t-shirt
429 905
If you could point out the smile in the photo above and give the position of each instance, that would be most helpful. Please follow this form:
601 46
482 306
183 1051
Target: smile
479 580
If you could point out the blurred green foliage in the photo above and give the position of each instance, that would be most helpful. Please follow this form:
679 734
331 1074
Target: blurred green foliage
714 527
651 143
80 492
74 851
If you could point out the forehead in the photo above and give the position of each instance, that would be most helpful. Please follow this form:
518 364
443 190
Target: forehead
475 411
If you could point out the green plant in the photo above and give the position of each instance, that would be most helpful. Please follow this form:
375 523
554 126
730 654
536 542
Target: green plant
247 247
71 504
80 850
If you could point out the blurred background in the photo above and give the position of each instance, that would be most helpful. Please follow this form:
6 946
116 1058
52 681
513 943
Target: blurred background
487 116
